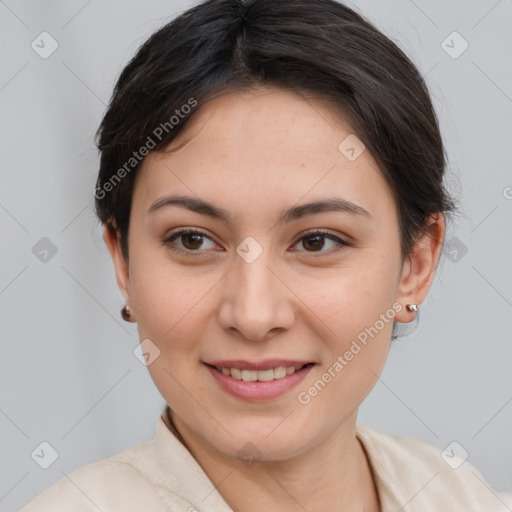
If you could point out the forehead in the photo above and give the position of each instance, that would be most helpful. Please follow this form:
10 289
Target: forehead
263 145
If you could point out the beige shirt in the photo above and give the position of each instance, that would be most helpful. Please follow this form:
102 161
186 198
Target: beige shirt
162 476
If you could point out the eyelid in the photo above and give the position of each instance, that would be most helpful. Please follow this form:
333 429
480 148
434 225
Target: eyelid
326 233
182 231
322 231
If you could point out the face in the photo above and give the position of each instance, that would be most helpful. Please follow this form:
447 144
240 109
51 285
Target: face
261 290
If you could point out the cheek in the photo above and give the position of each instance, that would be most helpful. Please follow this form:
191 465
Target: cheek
349 298
165 295
360 321
169 302
354 306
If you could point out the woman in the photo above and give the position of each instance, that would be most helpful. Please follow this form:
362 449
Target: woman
271 191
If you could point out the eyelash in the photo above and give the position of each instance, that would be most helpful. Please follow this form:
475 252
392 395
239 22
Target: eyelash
310 234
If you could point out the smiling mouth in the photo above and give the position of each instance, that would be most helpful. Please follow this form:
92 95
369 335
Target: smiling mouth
277 373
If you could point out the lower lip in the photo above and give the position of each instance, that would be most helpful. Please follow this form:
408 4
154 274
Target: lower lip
258 391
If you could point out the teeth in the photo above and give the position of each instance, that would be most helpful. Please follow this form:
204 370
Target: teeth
249 376
281 372
262 376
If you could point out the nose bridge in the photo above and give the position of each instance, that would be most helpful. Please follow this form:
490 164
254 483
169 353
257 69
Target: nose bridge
255 299
254 280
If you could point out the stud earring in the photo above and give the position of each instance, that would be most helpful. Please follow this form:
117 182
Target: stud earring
126 313
412 307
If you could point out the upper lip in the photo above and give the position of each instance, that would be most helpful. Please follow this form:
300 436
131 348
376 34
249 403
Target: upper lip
257 366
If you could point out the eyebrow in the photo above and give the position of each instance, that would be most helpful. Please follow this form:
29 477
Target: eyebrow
333 204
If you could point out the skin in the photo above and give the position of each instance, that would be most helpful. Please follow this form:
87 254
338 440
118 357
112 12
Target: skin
255 153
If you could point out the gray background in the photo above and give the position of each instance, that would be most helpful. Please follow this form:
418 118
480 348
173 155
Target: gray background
68 375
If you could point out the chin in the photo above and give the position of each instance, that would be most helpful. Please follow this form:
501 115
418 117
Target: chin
275 440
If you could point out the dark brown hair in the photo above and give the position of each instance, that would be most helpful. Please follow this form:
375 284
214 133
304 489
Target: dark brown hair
320 47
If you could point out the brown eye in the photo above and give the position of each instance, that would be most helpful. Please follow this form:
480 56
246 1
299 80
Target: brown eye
191 241
318 242
315 241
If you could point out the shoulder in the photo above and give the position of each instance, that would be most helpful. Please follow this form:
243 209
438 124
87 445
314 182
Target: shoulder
113 483
157 475
412 471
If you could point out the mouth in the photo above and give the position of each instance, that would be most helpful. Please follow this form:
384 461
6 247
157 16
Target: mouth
257 382
265 375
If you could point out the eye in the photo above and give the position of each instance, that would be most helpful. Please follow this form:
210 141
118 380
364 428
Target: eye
315 240
191 240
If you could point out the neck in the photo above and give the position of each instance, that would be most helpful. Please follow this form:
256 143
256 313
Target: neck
334 475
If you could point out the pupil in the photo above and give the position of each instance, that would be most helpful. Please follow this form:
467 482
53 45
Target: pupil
315 245
193 235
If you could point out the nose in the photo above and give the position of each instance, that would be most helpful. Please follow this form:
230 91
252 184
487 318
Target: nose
257 302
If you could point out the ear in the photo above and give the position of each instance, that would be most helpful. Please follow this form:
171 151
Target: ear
419 269
113 243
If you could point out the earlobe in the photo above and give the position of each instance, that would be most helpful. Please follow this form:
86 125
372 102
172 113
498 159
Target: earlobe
419 268
112 241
